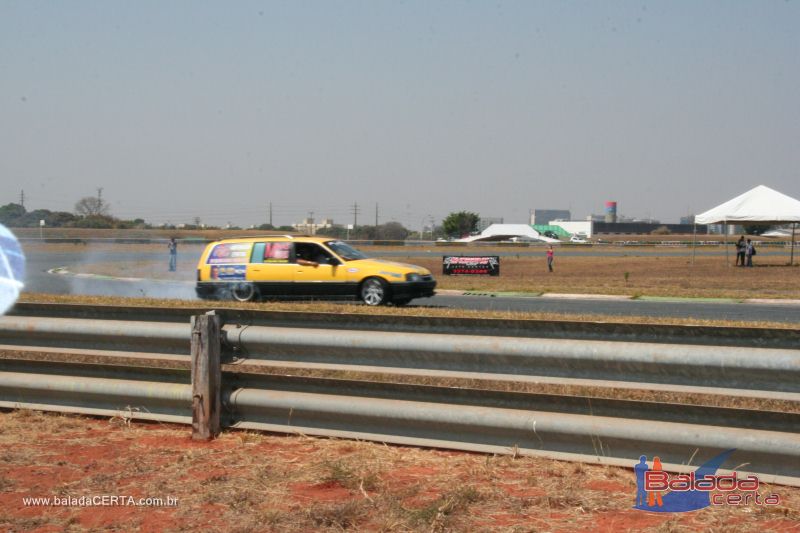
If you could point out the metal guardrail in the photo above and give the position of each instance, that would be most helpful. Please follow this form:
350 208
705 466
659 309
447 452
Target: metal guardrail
68 365
759 369
753 337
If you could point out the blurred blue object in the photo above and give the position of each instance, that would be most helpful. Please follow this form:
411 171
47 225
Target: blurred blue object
12 269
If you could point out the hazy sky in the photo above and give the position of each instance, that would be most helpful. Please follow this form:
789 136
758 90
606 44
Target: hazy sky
184 109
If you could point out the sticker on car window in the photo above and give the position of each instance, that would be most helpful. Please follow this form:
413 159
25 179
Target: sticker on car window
276 252
230 253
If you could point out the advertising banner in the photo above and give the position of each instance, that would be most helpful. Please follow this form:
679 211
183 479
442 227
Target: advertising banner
484 265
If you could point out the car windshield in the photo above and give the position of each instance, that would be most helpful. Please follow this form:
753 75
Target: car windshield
345 251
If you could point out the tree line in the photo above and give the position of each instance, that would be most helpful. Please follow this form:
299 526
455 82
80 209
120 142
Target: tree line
94 212
90 212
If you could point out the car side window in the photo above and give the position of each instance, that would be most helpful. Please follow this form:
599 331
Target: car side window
310 251
271 252
258 252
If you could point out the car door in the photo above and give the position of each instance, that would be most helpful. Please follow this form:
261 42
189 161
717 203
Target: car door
271 268
319 273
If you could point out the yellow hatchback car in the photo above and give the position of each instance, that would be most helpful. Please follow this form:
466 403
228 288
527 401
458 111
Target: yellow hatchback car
256 268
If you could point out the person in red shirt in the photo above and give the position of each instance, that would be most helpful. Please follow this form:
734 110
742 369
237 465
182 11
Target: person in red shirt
550 258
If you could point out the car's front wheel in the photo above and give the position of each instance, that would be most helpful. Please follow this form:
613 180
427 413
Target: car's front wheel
244 292
374 291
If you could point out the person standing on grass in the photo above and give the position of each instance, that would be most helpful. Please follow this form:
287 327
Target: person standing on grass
173 254
749 252
740 251
550 258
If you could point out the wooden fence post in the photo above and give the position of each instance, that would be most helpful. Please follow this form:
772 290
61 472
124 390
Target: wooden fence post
206 376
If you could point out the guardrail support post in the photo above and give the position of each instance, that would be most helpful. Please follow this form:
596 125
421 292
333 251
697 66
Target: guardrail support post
206 376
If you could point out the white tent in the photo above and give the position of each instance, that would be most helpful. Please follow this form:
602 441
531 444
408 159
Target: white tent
760 205
504 232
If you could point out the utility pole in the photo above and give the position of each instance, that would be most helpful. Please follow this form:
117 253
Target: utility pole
270 213
376 220
100 195
355 215
22 198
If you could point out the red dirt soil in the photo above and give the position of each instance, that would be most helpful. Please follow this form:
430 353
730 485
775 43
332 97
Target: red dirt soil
264 482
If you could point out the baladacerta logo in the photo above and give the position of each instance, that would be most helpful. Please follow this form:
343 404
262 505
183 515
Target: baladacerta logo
658 491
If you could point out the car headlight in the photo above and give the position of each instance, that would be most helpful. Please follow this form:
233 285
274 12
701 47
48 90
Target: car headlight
413 277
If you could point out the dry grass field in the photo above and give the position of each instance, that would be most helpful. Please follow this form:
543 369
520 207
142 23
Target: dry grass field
251 482
636 275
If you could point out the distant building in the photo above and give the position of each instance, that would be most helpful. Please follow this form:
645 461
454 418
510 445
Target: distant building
689 219
650 220
581 228
309 227
486 222
643 228
610 212
719 229
544 216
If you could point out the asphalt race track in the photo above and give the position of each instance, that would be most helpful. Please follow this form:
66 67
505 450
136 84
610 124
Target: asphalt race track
701 310
39 280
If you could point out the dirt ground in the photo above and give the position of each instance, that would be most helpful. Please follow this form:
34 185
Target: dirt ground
245 481
637 275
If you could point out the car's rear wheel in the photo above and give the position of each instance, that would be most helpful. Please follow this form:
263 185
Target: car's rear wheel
374 291
244 292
